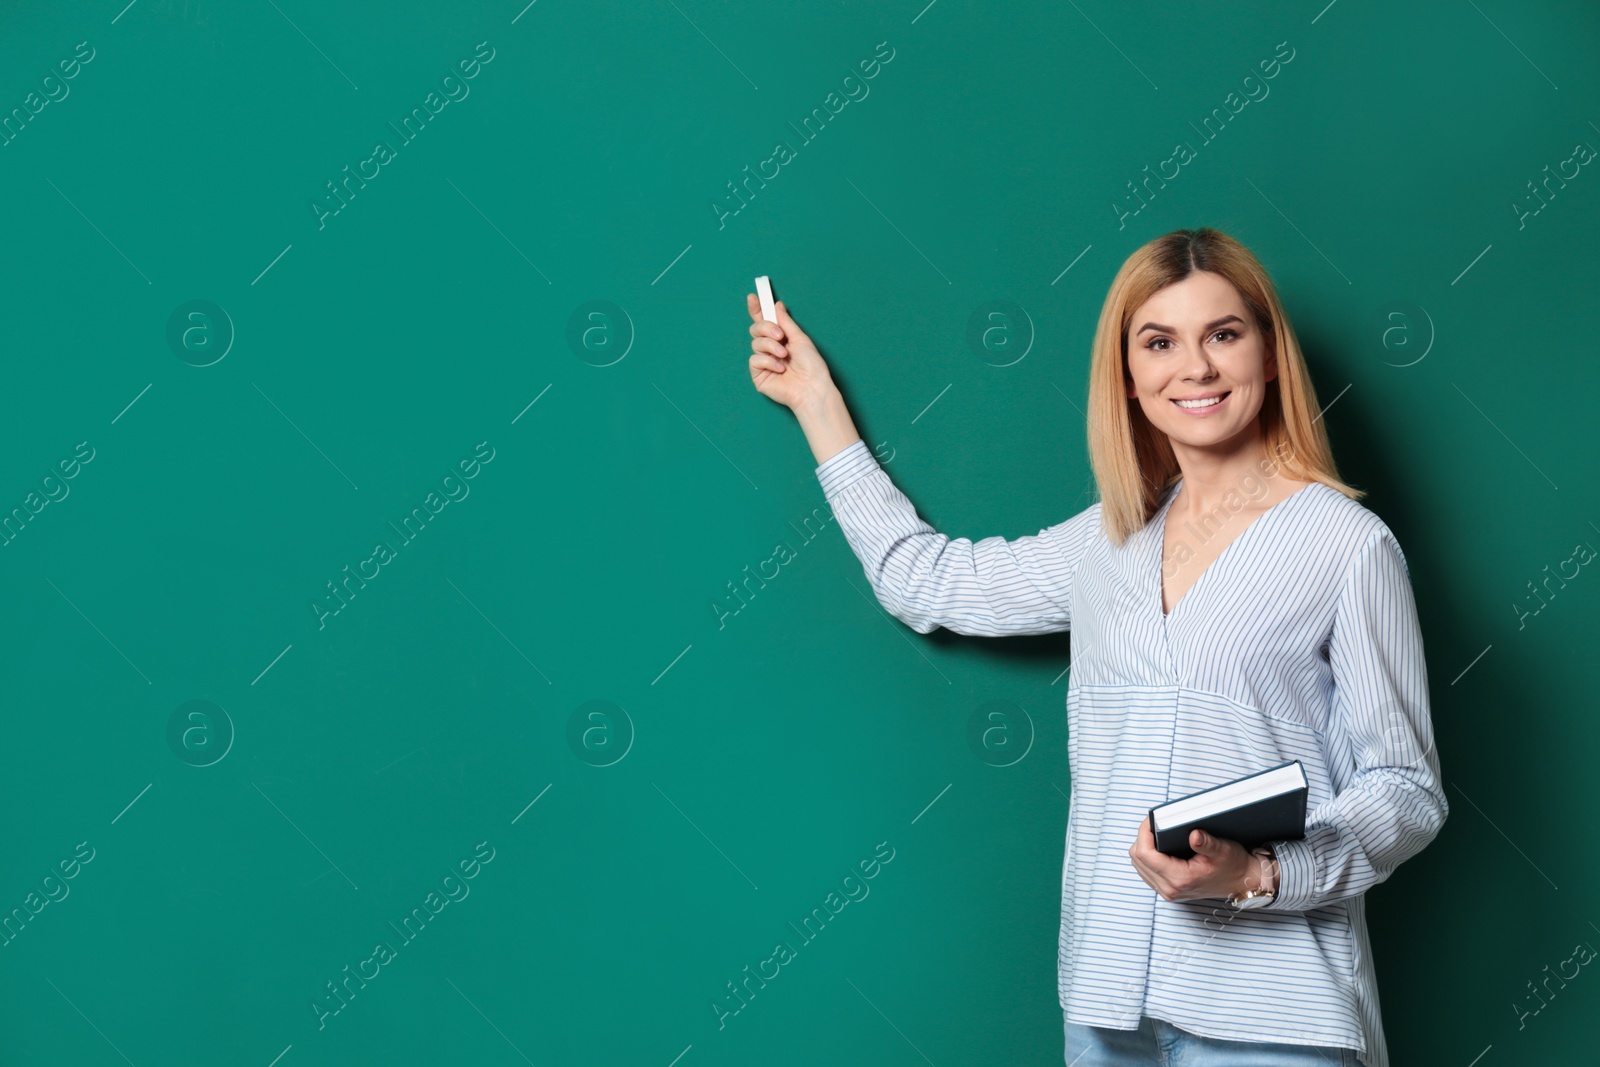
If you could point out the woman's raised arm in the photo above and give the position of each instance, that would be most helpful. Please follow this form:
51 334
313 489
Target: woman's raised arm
992 587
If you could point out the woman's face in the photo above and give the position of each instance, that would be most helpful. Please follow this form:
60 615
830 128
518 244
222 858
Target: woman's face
1196 340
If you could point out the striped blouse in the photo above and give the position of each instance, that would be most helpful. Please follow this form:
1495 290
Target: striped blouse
1300 641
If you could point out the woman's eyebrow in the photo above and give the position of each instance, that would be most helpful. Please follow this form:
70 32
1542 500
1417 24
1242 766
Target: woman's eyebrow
1209 326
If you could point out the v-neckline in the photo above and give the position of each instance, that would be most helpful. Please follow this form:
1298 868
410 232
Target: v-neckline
1160 525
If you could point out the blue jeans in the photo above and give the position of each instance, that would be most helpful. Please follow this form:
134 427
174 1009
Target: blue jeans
1158 1043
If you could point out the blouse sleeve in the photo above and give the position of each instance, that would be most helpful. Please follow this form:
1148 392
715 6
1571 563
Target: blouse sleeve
1393 804
991 588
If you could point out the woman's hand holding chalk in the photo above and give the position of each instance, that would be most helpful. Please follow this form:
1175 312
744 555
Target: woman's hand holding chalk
785 366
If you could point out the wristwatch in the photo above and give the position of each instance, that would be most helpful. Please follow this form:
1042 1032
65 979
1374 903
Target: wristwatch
1261 895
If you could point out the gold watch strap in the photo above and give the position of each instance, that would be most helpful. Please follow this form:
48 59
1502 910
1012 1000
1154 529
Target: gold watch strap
1268 861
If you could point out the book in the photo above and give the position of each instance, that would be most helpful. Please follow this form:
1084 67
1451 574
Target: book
1268 805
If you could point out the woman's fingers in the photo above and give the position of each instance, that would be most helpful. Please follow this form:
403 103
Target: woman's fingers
770 347
771 358
789 326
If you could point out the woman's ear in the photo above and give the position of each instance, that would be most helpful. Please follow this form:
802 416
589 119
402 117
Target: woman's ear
1270 363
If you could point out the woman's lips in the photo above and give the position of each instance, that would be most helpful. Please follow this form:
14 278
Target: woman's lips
1211 409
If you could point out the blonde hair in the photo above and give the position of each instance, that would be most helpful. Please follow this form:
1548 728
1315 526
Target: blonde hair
1133 461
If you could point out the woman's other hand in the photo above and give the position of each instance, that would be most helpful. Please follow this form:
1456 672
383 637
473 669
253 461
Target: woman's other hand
1219 867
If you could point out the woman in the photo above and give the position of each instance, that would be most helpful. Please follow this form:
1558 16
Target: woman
1233 607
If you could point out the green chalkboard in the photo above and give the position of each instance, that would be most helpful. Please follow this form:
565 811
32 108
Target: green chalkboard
425 646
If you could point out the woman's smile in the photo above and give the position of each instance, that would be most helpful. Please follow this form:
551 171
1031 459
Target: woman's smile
1208 404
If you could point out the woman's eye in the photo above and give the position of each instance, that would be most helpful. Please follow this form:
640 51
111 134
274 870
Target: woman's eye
1232 333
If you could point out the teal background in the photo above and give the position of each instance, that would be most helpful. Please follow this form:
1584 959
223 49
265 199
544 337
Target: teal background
758 757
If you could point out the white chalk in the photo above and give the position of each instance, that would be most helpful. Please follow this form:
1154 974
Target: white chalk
764 290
